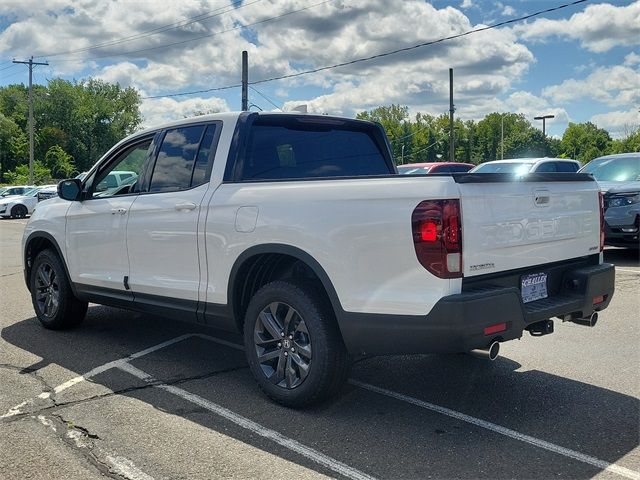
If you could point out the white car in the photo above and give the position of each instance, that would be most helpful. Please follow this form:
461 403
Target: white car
522 166
19 206
16 191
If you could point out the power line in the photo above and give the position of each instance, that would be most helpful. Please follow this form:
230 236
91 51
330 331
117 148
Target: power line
266 98
182 42
385 54
163 28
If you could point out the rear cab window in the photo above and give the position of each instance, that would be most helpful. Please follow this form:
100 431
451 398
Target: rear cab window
284 147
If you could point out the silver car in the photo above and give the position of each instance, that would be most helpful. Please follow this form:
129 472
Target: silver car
619 179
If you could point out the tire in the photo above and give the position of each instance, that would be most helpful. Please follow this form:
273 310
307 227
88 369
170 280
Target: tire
315 359
53 301
19 211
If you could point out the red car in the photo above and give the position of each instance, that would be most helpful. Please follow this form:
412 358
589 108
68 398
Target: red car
434 167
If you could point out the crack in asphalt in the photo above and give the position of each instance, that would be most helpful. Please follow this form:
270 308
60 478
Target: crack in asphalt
33 372
57 405
80 440
9 274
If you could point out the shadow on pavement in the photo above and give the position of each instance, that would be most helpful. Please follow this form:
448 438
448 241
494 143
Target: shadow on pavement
622 257
373 433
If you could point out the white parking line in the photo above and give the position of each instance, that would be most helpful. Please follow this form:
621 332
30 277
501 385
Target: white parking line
307 452
601 464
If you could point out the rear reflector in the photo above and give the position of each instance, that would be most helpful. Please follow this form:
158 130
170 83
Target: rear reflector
598 299
497 328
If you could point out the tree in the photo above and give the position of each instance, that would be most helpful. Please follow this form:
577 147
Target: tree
585 141
630 142
20 175
10 151
59 162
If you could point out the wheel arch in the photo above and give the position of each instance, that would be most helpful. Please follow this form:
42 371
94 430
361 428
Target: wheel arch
37 242
261 264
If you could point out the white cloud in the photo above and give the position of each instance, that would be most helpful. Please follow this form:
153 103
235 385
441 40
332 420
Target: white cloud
616 85
618 123
598 28
508 11
467 4
161 110
485 65
532 106
632 59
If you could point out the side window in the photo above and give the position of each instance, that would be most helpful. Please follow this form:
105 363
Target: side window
546 167
111 181
204 158
287 151
568 167
176 160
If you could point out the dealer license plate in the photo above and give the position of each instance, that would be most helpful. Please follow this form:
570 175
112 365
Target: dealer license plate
533 287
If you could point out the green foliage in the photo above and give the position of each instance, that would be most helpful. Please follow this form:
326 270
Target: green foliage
427 138
585 141
20 176
83 119
59 162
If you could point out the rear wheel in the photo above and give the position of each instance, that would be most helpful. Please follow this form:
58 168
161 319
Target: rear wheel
53 301
293 344
19 211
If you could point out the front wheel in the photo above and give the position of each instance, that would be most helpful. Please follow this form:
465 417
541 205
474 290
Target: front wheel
19 211
53 301
293 344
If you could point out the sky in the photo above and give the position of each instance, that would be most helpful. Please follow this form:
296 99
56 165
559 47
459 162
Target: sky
580 63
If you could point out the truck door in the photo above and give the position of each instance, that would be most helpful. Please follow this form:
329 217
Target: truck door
162 231
96 226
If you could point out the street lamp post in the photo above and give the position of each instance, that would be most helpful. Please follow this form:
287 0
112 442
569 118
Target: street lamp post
544 122
402 155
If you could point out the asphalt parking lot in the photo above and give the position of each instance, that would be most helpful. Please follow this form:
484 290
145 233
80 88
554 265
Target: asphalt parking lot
133 396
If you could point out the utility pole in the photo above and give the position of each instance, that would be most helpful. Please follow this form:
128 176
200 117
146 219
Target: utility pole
245 81
31 63
502 136
452 147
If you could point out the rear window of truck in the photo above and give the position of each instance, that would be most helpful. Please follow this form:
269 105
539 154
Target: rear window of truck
285 149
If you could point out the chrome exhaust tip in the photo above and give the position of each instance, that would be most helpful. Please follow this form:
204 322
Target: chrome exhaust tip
587 321
489 353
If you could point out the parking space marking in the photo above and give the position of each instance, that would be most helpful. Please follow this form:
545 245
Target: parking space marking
17 410
254 427
552 447
308 452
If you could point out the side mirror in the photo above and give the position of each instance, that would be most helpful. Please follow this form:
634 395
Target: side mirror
70 189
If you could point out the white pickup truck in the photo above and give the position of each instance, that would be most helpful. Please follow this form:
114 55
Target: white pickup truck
296 230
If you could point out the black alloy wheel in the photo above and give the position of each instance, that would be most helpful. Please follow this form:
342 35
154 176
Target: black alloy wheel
47 294
52 296
293 344
283 345
19 211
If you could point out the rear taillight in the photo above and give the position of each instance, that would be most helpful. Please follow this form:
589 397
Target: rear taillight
437 237
601 200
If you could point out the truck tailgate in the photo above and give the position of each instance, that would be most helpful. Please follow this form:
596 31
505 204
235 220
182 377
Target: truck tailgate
514 224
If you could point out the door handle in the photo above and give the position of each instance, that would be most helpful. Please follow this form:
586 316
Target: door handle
121 211
186 206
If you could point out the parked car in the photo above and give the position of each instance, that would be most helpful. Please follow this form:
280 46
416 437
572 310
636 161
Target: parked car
522 166
434 167
619 179
296 230
47 192
19 206
13 191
